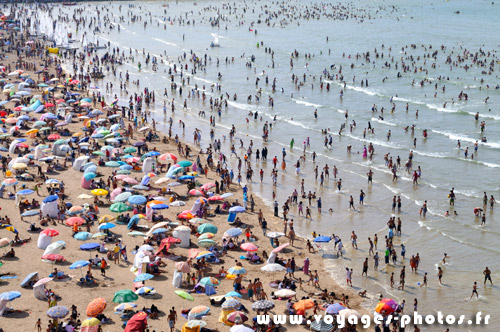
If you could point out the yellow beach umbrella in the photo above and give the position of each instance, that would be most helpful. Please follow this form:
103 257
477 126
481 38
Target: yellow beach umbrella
99 192
19 166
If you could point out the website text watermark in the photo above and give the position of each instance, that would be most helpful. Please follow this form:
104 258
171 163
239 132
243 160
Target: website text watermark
367 320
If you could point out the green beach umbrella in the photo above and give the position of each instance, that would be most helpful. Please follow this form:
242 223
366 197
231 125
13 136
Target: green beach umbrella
184 295
112 164
119 207
184 163
125 295
130 150
207 228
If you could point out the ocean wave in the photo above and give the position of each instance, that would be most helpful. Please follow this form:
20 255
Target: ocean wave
164 42
306 103
384 122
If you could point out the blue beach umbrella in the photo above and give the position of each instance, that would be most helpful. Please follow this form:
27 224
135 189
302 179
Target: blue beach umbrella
51 198
78 265
89 246
30 213
9 296
322 239
159 206
137 199
83 236
143 277
25 192
106 225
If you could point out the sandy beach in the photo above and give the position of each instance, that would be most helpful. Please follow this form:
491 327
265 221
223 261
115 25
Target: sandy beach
119 276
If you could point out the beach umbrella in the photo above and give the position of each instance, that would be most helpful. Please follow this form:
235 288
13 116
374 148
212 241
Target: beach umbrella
25 192
231 304
99 235
233 232
262 305
237 317
51 198
112 164
145 291
125 306
386 306
9 228
99 192
346 313
89 246
106 218
184 295
119 207
75 210
159 206
167 157
53 258
183 267
130 180
59 311
208 186
273 267
304 304
237 270
96 307
5 242
137 199
125 295
206 243
42 281
249 246
9 296
206 236
160 230
10 182
123 197
130 149
106 225
50 232
174 184
322 239
146 247
281 247
83 236
195 192
140 187
78 265
285 293
85 196
321 326
90 325
237 209
177 203
192 253
209 281
143 277
233 294
215 198
89 176
184 163
240 328
204 254
334 309
198 311
75 220
226 195
275 235
207 228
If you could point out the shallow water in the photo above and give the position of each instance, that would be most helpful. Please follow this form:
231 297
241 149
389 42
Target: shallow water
470 246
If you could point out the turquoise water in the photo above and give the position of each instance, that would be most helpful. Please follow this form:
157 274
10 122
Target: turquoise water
390 27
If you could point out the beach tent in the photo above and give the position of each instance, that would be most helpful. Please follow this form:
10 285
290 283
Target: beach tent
149 165
49 207
137 323
13 145
3 305
177 279
182 233
39 289
28 279
60 149
86 183
43 241
68 118
35 105
223 316
272 258
78 163
39 154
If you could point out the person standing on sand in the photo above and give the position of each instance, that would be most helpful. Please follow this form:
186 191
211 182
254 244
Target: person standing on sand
291 235
172 318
